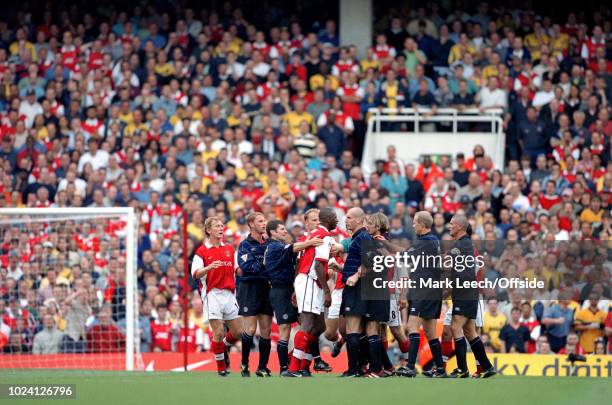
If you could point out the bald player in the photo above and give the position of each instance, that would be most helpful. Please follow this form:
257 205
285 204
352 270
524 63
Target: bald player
358 311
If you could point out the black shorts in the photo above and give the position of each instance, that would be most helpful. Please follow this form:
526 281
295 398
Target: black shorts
284 311
253 298
466 308
425 309
354 305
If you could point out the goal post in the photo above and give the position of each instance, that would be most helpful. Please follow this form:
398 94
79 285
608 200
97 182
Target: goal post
34 241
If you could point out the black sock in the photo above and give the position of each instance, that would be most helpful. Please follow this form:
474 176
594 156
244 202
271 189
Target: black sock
352 350
375 351
436 352
364 348
461 353
283 354
480 354
314 349
386 362
415 341
247 343
264 352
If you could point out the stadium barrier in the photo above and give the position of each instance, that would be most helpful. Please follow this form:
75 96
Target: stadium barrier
387 126
544 365
536 365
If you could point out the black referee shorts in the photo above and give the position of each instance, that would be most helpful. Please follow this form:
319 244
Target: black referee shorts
253 298
466 308
284 311
425 309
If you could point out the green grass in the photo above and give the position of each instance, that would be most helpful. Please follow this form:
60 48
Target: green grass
118 388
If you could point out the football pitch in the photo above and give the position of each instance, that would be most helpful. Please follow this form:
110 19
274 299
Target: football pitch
118 388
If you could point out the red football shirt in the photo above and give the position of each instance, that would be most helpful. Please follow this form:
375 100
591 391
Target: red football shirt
161 336
312 254
223 276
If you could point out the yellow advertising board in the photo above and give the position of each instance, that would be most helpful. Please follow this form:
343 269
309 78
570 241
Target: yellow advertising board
547 365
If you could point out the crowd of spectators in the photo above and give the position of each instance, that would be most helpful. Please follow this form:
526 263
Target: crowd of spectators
199 111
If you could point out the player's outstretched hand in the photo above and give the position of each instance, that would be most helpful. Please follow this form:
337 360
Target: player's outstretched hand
315 242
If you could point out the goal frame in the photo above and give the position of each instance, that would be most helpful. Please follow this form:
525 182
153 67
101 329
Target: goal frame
130 271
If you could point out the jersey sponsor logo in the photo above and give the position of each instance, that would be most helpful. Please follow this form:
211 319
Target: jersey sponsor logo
244 257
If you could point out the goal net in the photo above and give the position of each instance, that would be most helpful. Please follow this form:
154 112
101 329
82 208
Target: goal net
68 288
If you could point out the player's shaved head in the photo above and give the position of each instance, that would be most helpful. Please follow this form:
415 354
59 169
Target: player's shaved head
355 219
328 218
357 213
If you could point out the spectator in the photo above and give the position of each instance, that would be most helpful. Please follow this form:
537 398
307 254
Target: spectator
494 321
105 336
514 334
75 332
48 340
558 320
589 323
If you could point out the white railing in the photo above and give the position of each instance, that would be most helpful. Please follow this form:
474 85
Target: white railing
453 138
445 115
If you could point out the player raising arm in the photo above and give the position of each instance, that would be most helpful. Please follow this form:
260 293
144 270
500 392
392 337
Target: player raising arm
213 265
279 261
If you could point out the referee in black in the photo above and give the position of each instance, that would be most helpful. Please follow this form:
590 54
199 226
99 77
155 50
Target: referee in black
425 303
465 301
279 263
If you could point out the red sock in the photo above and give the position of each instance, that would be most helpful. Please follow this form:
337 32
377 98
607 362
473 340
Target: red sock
404 346
340 339
478 367
300 343
447 350
218 348
385 344
307 359
229 339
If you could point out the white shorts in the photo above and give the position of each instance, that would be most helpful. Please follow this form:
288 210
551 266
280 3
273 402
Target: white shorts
308 294
220 304
395 315
448 317
333 312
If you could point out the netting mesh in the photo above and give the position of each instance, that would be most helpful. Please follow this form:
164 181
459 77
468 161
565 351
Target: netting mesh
64 290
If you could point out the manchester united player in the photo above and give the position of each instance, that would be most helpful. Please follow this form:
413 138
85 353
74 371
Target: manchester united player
214 265
254 295
447 334
161 331
356 309
465 305
378 226
312 293
279 261
425 303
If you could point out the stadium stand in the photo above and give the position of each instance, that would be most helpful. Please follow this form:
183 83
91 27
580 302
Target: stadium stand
198 110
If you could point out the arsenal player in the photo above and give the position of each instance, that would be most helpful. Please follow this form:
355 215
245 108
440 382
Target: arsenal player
213 265
311 220
312 293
